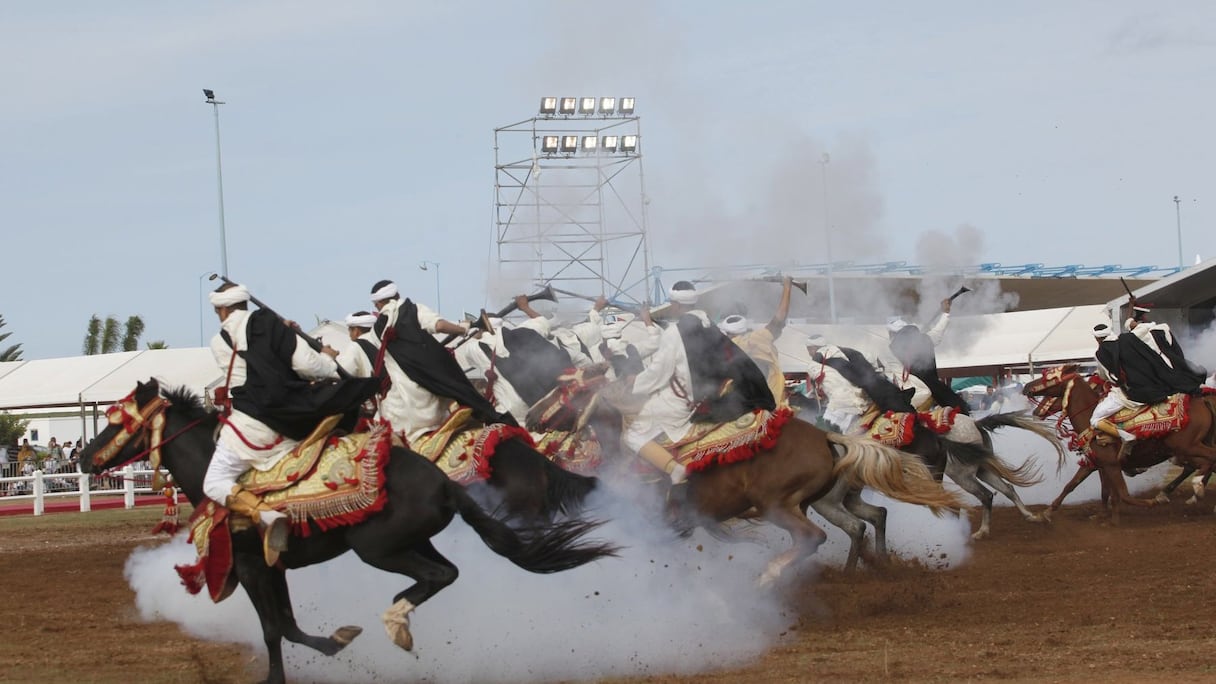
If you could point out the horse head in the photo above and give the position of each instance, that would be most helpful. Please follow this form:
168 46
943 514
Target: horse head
129 421
1051 383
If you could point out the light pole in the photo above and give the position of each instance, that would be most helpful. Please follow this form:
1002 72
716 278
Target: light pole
219 177
1178 216
204 274
827 230
423 266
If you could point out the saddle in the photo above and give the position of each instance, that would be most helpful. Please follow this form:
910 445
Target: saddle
1155 420
327 481
462 447
889 428
709 445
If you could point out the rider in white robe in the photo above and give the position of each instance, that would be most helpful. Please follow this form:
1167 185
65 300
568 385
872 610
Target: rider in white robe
845 402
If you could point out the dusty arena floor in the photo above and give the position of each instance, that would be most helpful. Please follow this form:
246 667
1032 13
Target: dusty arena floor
1076 601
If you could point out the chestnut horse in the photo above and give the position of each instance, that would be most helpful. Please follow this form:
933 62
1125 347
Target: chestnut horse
422 500
1077 399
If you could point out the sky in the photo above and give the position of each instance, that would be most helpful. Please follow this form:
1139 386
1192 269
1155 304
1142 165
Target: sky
357 141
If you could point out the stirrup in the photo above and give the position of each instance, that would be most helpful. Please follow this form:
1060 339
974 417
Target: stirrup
274 539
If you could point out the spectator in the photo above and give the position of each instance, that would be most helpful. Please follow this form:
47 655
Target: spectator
3 468
26 454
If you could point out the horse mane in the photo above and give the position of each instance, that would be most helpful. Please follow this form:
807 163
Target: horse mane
190 405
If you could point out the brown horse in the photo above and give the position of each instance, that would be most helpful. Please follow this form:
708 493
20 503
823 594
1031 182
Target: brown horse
1064 388
779 484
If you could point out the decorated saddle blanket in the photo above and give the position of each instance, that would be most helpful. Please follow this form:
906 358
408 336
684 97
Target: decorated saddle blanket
708 445
1155 420
890 428
579 452
939 419
462 447
568 405
328 483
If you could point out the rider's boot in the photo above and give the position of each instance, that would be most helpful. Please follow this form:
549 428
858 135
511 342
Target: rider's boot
654 454
275 526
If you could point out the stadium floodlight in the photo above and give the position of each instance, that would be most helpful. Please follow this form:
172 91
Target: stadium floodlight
548 144
629 143
607 105
548 105
569 143
567 105
586 105
627 106
590 143
609 143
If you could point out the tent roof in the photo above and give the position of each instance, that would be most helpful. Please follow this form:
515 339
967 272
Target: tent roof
102 378
1189 287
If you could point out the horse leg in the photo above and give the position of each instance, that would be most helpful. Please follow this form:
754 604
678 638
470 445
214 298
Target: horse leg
1163 496
329 645
990 478
426 566
875 515
831 507
1080 476
963 475
805 535
259 584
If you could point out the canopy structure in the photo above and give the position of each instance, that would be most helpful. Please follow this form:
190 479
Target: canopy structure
102 378
973 345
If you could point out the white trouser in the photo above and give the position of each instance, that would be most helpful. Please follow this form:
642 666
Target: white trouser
226 467
1111 404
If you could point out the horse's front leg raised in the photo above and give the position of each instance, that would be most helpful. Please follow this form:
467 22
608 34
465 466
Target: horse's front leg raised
1082 473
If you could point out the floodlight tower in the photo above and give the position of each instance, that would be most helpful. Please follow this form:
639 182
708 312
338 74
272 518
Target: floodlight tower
569 199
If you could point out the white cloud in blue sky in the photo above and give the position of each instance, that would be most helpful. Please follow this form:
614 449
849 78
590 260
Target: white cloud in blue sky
358 139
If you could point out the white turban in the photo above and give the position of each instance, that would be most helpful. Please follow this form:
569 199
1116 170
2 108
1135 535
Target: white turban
1102 331
682 296
733 325
387 292
364 321
895 324
233 295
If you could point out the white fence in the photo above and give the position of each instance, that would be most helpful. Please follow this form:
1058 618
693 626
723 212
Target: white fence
40 486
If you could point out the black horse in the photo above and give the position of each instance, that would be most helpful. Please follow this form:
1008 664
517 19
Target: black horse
422 500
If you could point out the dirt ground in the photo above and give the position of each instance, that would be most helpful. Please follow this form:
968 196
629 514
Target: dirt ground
1075 601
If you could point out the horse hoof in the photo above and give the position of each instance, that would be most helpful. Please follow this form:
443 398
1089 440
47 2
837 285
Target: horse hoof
347 634
1190 502
979 534
1162 498
397 624
1045 514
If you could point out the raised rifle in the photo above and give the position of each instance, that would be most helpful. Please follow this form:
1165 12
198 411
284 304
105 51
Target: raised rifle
800 284
313 342
963 289
545 294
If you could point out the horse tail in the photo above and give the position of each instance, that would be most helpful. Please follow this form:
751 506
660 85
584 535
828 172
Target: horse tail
565 491
1023 421
982 455
541 549
897 474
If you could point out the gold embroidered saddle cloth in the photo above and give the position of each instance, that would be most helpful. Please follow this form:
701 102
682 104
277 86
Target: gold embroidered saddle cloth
462 447
325 482
710 444
1155 420
889 428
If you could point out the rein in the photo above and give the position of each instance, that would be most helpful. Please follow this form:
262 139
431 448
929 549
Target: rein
1075 442
135 422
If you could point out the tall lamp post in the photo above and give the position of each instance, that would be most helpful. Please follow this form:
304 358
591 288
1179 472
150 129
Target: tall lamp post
423 265
1178 217
202 275
827 231
219 177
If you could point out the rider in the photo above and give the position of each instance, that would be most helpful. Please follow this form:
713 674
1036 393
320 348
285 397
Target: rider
277 399
1159 338
851 385
917 370
425 377
1107 356
761 343
687 375
359 359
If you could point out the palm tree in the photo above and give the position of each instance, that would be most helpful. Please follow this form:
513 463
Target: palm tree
135 328
103 337
13 353
157 344
92 338
109 335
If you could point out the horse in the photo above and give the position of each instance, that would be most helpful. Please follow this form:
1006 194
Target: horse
421 502
1077 400
804 464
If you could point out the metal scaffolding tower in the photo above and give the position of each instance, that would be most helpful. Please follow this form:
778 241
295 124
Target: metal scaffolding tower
569 201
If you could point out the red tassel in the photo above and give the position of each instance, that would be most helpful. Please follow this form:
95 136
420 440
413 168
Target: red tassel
170 522
193 576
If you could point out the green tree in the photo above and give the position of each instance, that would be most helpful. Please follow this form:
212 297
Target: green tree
109 335
134 328
92 338
157 344
13 353
11 429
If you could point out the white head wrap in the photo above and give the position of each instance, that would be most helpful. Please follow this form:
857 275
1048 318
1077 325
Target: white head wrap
1102 331
733 325
233 295
365 321
895 324
387 292
682 296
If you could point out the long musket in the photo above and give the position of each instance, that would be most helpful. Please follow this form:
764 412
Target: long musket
963 289
800 284
310 341
545 294
588 298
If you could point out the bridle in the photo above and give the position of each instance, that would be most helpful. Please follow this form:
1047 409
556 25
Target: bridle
145 425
